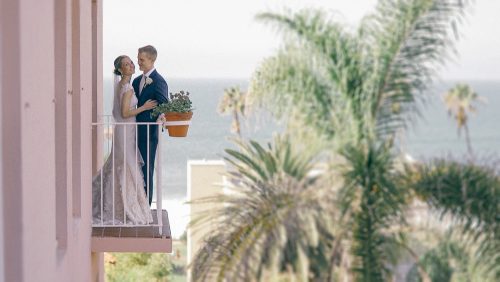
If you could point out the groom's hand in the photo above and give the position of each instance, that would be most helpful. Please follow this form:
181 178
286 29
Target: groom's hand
150 104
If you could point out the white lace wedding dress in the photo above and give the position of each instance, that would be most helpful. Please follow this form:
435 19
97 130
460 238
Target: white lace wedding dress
127 198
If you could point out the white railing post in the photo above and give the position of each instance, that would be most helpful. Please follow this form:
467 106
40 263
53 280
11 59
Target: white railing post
125 166
158 182
102 185
147 163
113 152
137 167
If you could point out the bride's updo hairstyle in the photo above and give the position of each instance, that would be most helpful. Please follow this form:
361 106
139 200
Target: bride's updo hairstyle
118 64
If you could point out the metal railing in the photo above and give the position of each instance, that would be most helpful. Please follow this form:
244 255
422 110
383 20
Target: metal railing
106 130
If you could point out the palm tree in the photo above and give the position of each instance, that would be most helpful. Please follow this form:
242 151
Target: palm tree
356 90
272 221
460 101
470 194
233 102
361 84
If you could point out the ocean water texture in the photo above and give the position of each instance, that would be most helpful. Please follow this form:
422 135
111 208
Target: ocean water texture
434 134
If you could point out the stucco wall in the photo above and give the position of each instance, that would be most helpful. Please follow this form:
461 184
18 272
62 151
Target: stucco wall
205 178
1 170
11 161
37 138
32 61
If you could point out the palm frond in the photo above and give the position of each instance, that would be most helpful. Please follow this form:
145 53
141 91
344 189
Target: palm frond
470 194
448 261
311 27
295 90
355 90
273 218
307 80
407 42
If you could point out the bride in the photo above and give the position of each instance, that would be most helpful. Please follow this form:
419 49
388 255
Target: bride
122 190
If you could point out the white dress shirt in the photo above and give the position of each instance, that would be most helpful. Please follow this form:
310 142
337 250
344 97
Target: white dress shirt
143 79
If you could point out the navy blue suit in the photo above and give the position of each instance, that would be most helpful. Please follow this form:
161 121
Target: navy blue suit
157 90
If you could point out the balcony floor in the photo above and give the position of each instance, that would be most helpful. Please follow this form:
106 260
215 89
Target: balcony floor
134 238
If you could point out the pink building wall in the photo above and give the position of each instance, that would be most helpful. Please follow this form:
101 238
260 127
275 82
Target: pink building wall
48 60
2 270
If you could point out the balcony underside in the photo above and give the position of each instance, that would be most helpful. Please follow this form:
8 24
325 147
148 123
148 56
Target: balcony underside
140 239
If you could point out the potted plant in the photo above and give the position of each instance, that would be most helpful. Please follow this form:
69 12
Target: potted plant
178 108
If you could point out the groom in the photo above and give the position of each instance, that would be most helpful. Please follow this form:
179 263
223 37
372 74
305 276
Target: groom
150 85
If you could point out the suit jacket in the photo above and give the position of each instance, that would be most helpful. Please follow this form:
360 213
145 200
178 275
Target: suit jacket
157 90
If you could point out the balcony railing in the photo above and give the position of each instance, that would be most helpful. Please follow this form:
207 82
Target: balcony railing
108 127
120 225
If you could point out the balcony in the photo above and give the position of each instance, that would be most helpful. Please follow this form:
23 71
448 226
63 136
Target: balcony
113 229
129 238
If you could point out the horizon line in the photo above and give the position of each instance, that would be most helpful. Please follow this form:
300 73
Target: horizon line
248 78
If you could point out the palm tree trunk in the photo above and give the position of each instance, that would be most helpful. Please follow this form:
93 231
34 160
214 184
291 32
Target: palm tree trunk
467 141
236 121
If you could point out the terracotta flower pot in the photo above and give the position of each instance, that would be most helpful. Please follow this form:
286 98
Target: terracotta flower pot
178 130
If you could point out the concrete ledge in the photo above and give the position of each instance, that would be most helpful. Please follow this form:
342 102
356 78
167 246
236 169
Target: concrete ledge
140 239
131 245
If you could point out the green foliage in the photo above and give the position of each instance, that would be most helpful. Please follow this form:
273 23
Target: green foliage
357 84
178 102
271 222
178 259
138 267
373 198
183 237
448 261
359 90
460 100
470 194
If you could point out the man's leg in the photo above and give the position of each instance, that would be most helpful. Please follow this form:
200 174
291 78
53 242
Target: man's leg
143 149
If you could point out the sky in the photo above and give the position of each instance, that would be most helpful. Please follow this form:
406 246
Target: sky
222 39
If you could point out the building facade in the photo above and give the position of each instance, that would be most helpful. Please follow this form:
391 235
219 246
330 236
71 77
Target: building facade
51 76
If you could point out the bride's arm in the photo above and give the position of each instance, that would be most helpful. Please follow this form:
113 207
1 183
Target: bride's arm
128 112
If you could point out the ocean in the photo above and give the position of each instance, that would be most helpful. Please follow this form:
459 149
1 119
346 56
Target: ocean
432 135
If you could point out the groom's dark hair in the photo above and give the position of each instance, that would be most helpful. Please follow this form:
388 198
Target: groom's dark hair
150 50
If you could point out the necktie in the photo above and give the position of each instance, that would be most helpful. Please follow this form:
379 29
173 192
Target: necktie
143 82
